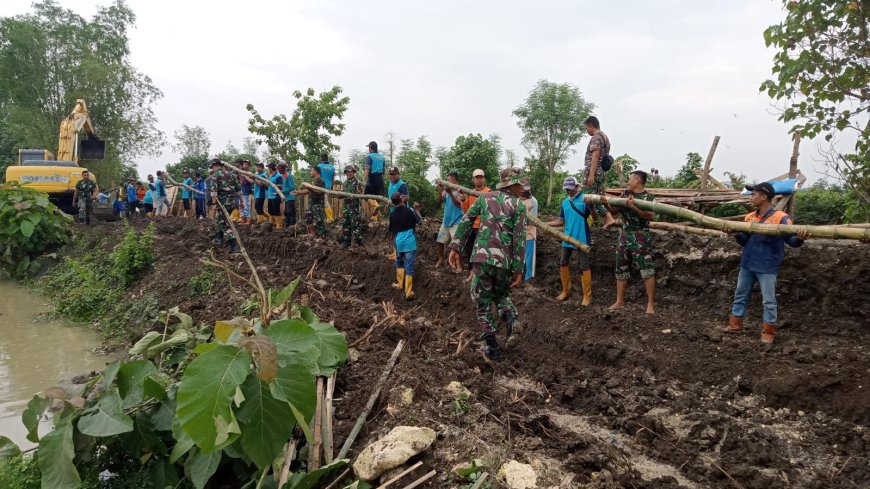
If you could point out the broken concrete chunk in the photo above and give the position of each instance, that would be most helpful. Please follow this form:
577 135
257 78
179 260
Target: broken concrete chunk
392 450
518 476
458 391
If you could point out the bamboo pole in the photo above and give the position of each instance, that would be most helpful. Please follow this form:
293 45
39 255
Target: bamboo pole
184 186
669 226
346 195
793 167
328 442
257 177
832 232
290 454
314 455
398 477
371 402
708 161
537 222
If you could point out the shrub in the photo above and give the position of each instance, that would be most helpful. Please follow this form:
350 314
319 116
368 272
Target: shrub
30 225
80 290
821 204
133 254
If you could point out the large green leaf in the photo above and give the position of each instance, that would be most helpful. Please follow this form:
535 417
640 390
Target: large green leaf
183 443
309 480
35 407
131 376
27 228
267 423
164 475
150 339
333 348
8 449
206 392
106 418
55 455
295 384
279 297
295 342
199 466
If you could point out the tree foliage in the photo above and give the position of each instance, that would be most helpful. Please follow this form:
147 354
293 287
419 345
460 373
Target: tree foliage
551 119
309 130
30 225
629 165
51 57
686 175
414 161
821 76
469 153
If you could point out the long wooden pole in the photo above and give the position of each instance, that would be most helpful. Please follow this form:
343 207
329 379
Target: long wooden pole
537 222
345 195
832 232
708 162
257 177
793 168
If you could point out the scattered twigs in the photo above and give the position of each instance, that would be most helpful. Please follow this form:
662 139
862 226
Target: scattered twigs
566 481
390 315
290 454
480 480
257 177
403 474
314 455
328 442
421 480
371 402
537 222
345 195
338 479
833 232
264 303
214 262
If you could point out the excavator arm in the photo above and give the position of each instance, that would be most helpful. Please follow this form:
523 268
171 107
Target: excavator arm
68 142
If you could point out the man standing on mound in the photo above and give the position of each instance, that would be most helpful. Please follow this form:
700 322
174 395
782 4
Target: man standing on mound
222 188
762 256
498 254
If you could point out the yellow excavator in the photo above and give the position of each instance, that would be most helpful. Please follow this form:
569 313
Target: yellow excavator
38 169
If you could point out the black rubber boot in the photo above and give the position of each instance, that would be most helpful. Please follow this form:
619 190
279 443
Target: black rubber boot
510 320
217 239
491 351
234 247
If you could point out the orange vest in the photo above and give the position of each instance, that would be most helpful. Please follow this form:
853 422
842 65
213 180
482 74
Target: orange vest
774 218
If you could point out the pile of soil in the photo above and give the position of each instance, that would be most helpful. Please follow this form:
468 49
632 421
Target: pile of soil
613 399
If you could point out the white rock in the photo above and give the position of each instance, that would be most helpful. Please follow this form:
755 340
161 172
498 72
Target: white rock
458 391
394 449
518 476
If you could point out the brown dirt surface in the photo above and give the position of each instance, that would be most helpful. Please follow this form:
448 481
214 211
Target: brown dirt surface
616 399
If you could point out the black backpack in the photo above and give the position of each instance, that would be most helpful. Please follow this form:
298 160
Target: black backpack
606 160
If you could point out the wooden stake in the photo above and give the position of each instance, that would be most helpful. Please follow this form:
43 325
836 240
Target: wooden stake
371 402
288 459
403 474
793 168
328 449
708 161
338 479
314 456
420 480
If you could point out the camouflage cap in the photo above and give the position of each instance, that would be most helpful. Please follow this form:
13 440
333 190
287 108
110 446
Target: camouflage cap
350 168
510 177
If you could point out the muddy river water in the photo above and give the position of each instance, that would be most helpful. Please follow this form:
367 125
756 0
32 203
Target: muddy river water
36 354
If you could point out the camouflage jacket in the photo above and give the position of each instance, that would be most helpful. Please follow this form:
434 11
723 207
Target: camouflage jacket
224 185
501 240
630 220
86 189
352 186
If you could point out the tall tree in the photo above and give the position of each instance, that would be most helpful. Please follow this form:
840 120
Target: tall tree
389 147
414 160
469 153
686 174
551 119
821 76
192 141
51 57
309 130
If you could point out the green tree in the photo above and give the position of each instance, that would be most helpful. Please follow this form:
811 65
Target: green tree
821 76
822 204
414 160
469 153
309 130
551 119
51 57
193 144
686 174
629 165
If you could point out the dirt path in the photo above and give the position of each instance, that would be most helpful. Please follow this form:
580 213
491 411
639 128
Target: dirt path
619 400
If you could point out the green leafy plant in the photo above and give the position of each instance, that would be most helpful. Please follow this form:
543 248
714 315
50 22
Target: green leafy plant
472 473
202 283
187 401
133 254
30 226
80 288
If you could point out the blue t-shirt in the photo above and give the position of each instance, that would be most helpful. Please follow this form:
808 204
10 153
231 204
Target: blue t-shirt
131 193
161 188
149 198
403 224
185 194
452 212
327 172
576 224
375 161
288 186
200 185
270 191
400 186
259 192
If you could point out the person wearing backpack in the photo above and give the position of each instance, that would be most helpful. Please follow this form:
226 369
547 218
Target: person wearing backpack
574 216
597 162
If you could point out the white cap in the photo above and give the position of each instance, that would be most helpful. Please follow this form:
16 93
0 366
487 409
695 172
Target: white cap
478 173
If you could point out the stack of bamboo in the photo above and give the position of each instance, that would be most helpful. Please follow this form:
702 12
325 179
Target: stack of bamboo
710 197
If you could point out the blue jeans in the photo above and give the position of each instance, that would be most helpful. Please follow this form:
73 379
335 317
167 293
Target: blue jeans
405 259
745 281
530 259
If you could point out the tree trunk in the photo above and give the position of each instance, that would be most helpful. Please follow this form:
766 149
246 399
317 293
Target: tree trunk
550 186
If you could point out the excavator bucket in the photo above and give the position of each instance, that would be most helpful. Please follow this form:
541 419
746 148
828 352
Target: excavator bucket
92 149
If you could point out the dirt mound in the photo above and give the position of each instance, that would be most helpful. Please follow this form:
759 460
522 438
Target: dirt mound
619 400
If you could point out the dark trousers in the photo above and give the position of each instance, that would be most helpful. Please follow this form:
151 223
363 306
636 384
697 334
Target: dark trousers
258 205
290 213
200 208
469 247
275 207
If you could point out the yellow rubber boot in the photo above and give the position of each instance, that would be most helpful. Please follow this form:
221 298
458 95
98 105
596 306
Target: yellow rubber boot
261 219
279 222
400 279
586 283
565 275
409 287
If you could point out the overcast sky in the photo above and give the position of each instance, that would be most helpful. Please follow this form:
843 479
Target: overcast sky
666 76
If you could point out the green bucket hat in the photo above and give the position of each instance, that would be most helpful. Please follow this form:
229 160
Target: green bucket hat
512 176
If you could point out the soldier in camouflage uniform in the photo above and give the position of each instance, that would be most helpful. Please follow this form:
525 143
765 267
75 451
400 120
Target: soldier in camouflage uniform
593 174
498 256
315 218
634 243
351 222
84 195
223 186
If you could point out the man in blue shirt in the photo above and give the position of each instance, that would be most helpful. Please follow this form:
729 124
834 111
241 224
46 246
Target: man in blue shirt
397 185
403 222
452 215
273 197
160 199
260 193
762 256
288 186
185 194
374 177
327 172
132 200
199 184
574 216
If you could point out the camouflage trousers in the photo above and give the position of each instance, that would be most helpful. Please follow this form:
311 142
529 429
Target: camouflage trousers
85 208
224 230
491 286
317 216
634 246
351 225
597 188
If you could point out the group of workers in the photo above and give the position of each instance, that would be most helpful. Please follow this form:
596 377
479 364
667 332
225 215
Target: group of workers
485 230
